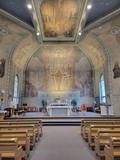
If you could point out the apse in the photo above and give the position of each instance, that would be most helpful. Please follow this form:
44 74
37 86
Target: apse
59 72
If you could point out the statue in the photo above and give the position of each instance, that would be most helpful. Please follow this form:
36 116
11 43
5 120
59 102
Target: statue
2 67
116 70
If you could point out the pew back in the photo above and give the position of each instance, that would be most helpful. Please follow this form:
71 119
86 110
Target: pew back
112 150
30 129
93 129
9 148
103 138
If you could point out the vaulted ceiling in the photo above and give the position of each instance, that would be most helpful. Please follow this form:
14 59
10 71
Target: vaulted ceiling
59 20
55 21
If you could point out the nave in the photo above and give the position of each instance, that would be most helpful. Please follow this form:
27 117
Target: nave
62 143
33 139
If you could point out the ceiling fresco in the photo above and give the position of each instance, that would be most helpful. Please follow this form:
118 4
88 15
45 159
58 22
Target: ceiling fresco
59 20
100 8
60 17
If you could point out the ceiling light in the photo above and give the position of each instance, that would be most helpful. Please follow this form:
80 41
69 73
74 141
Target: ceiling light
38 33
80 33
29 6
89 6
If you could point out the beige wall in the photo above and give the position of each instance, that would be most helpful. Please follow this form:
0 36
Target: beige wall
100 45
111 42
8 42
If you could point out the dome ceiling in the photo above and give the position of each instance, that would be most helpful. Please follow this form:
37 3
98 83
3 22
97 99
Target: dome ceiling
59 20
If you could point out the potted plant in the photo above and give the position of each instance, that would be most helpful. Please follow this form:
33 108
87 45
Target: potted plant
44 105
74 103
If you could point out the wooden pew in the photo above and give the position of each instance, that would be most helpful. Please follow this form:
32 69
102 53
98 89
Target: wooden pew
92 132
23 139
30 130
9 148
85 122
112 151
103 138
86 126
25 119
28 121
36 124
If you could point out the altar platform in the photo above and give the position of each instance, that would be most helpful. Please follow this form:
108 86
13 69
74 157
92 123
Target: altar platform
72 115
73 120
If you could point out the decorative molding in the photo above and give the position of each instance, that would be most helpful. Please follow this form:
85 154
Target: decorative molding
16 20
102 20
37 21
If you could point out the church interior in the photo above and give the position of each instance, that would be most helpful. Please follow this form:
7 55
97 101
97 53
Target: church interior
59 72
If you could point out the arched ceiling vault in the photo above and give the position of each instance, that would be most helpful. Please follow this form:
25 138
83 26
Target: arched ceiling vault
93 50
89 46
24 51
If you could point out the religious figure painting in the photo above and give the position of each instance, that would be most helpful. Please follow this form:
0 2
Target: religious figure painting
116 70
59 69
84 77
2 67
63 24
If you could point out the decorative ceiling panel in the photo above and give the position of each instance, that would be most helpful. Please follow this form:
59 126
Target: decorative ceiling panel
59 20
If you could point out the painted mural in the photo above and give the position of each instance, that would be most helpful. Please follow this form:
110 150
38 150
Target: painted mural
60 17
59 69
84 77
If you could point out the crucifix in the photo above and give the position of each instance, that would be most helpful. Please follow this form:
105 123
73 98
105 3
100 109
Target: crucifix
58 77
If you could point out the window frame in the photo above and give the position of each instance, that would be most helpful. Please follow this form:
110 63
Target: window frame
16 90
102 91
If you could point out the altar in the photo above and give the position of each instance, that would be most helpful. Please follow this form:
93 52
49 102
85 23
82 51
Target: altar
59 110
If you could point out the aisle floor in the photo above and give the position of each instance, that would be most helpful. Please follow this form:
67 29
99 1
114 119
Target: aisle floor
62 143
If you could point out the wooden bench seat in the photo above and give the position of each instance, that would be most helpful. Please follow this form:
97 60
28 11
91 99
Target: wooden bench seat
30 130
85 128
25 119
103 138
23 139
37 122
112 151
9 148
93 129
38 129
84 121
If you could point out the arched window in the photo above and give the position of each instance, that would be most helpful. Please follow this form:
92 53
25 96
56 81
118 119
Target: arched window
102 89
16 90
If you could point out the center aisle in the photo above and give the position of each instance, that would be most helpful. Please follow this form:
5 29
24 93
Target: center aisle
61 143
